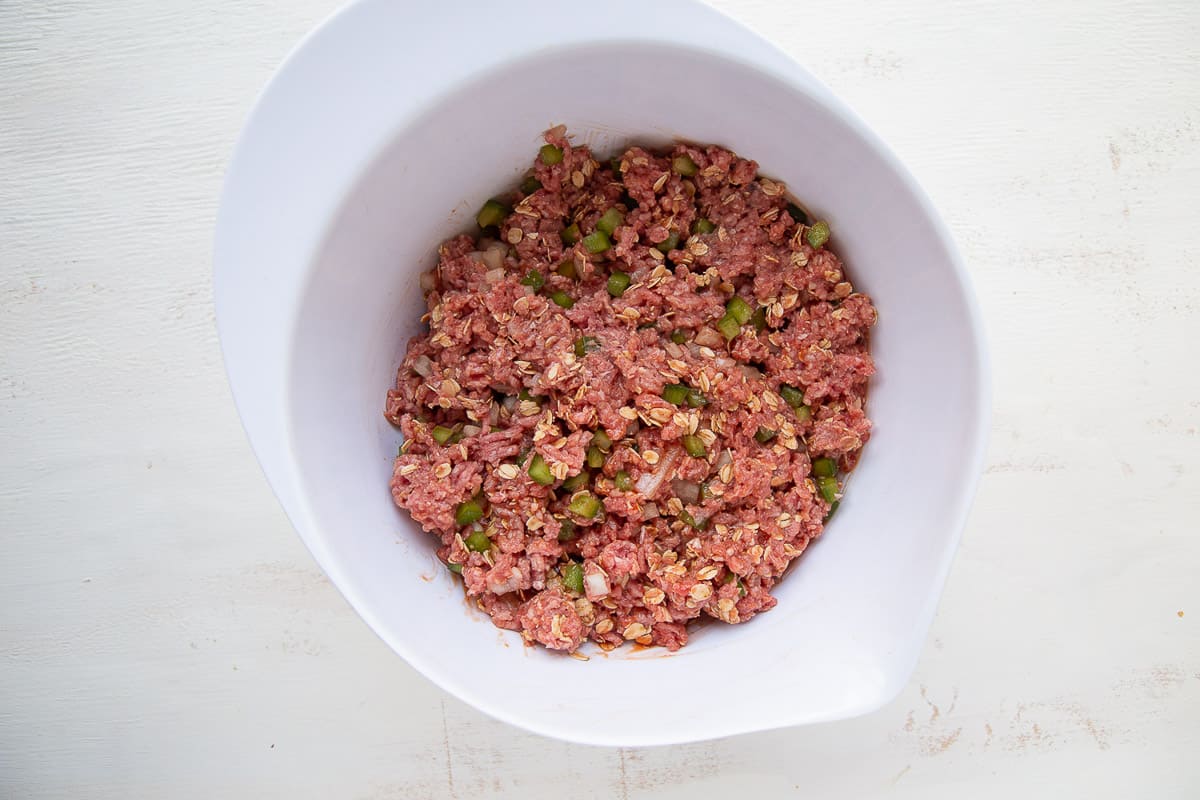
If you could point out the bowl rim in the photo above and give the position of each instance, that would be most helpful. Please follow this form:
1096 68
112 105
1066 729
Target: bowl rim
731 46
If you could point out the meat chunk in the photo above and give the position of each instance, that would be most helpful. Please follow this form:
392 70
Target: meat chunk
638 388
550 619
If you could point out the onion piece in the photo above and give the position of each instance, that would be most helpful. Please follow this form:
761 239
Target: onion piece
493 257
721 360
687 491
428 280
471 430
493 276
726 457
494 415
422 366
709 337
510 403
648 483
650 510
751 373
503 584
595 584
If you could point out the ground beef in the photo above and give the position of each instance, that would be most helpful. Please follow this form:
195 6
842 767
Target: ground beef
639 391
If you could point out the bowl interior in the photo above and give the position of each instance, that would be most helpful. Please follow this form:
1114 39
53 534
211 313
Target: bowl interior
852 613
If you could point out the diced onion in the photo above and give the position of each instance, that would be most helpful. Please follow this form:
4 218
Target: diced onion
648 483
709 337
724 362
428 281
500 585
422 366
596 584
494 255
687 491
650 510
751 373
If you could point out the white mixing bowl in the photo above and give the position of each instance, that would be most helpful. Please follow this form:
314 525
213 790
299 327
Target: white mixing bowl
380 137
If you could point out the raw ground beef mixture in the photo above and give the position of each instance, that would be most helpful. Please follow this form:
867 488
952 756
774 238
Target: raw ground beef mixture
640 388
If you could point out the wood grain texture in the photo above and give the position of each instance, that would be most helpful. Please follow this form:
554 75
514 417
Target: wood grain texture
163 632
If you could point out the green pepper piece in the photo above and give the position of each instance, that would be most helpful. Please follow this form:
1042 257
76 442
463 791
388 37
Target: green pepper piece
585 504
618 282
468 512
478 542
492 214
573 577
684 165
609 221
818 234
539 471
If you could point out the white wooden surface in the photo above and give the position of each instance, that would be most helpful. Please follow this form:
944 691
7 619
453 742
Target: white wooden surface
163 632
